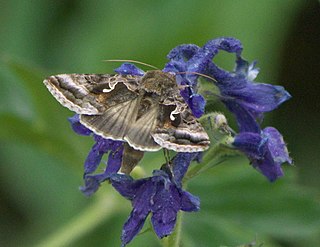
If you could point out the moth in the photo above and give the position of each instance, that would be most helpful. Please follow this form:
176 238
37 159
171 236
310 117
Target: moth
147 112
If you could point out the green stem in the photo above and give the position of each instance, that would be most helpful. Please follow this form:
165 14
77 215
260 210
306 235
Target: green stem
213 157
91 217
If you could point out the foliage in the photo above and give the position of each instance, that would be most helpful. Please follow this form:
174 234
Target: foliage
41 158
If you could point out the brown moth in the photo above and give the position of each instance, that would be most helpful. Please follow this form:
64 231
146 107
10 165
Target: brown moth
147 111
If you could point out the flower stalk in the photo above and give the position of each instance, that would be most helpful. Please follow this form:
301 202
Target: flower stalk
103 208
162 195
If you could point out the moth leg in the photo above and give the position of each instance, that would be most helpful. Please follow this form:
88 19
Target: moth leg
166 154
131 157
168 168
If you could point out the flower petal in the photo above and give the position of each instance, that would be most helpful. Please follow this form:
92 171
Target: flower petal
183 52
189 202
126 185
91 184
252 144
132 226
245 119
227 44
197 104
266 151
277 146
258 98
78 127
163 221
246 70
101 147
93 159
181 163
165 206
114 161
129 69
268 167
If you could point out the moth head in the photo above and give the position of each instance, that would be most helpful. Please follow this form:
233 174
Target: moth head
158 82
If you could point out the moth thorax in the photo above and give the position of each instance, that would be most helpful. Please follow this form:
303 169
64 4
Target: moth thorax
159 82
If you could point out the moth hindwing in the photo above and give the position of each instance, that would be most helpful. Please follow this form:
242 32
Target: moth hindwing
147 111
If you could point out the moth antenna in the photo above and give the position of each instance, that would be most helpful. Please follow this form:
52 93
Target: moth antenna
130 61
196 73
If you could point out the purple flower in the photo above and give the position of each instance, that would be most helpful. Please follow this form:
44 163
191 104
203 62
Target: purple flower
184 58
266 151
161 195
243 97
129 69
102 146
78 127
246 99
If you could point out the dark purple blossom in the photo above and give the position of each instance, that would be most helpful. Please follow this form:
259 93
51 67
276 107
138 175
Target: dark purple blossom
243 97
183 59
102 146
266 151
161 195
129 69
78 127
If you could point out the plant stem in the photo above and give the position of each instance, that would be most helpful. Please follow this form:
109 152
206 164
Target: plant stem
213 157
103 208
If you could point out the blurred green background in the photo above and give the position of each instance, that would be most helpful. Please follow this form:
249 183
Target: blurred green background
41 158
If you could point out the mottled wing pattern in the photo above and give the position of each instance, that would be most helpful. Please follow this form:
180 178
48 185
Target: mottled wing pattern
116 107
109 106
180 131
91 93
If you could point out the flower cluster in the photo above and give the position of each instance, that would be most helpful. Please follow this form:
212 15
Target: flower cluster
246 99
161 195
102 146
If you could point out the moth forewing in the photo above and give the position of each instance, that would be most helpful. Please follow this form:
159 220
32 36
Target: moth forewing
147 112
115 122
70 91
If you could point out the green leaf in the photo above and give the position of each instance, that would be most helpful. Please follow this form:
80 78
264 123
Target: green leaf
15 129
244 199
48 127
31 78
